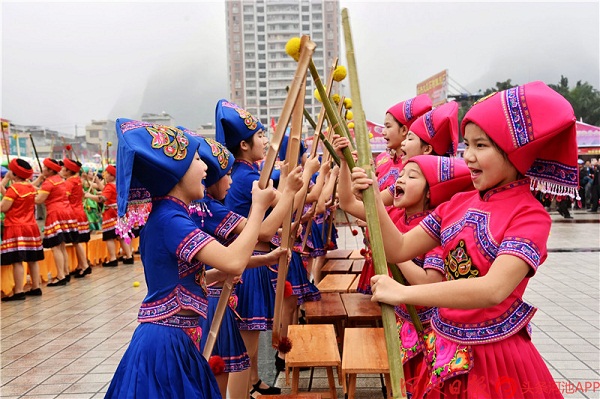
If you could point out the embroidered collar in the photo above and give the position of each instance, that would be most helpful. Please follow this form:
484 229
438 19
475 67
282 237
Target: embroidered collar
250 164
173 199
418 215
496 192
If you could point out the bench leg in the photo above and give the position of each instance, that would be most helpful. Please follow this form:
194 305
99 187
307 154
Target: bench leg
331 380
351 386
295 379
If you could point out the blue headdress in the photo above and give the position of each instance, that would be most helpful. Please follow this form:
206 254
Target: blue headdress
234 124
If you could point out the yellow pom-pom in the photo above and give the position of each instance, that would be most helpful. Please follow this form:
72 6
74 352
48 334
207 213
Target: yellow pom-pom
348 103
370 136
339 74
351 125
15 136
109 144
336 98
317 95
349 115
136 283
292 48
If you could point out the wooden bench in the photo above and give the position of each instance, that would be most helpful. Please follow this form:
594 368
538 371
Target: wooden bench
356 255
329 310
337 266
338 254
336 282
313 345
365 354
361 310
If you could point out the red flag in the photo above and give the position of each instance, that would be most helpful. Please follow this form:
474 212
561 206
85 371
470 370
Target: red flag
273 126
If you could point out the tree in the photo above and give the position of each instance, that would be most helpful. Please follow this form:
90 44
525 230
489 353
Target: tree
507 84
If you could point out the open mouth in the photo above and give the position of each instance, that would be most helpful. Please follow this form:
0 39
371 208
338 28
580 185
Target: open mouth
398 192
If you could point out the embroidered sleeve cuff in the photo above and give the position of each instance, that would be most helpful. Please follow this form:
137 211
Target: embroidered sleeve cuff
521 248
434 262
228 224
192 244
432 225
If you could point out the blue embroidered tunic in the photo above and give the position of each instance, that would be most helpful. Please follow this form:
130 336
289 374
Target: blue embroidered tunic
174 278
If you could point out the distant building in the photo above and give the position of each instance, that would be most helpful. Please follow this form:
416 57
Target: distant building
159 119
97 135
207 130
259 68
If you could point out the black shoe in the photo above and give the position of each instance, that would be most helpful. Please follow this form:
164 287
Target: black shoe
265 391
68 278
36 292
57 282
16 297
83 273
112 263
128 261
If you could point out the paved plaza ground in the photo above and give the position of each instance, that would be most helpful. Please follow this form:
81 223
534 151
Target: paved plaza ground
68 342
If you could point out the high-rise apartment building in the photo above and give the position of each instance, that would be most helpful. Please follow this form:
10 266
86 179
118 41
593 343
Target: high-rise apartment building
259 68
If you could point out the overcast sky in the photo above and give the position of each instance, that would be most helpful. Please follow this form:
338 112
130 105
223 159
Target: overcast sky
64 64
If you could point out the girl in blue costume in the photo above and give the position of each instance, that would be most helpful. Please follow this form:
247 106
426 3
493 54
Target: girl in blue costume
243 135
161 164
214 218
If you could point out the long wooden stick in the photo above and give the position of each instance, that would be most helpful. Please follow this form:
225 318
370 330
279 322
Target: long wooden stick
288 233
299 77
35 152
379 262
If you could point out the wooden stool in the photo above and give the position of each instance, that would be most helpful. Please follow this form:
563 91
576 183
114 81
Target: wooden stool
354 286
366 354
361 310
298 396
356 255
305 353
338 254
336 282
329 310
357 266
337 266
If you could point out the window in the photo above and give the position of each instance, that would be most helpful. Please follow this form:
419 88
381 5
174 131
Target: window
305 18
305 28
262 65
262 75
93 135
262 84
263 93
263 103
260 18
261 28
238 84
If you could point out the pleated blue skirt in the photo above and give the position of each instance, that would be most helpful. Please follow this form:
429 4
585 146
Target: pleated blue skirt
256 299
229 344
162 362
299 279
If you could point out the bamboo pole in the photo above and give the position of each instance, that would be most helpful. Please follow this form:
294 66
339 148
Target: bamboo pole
324 139
265 175
379 262
292 152
412 311
321 119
